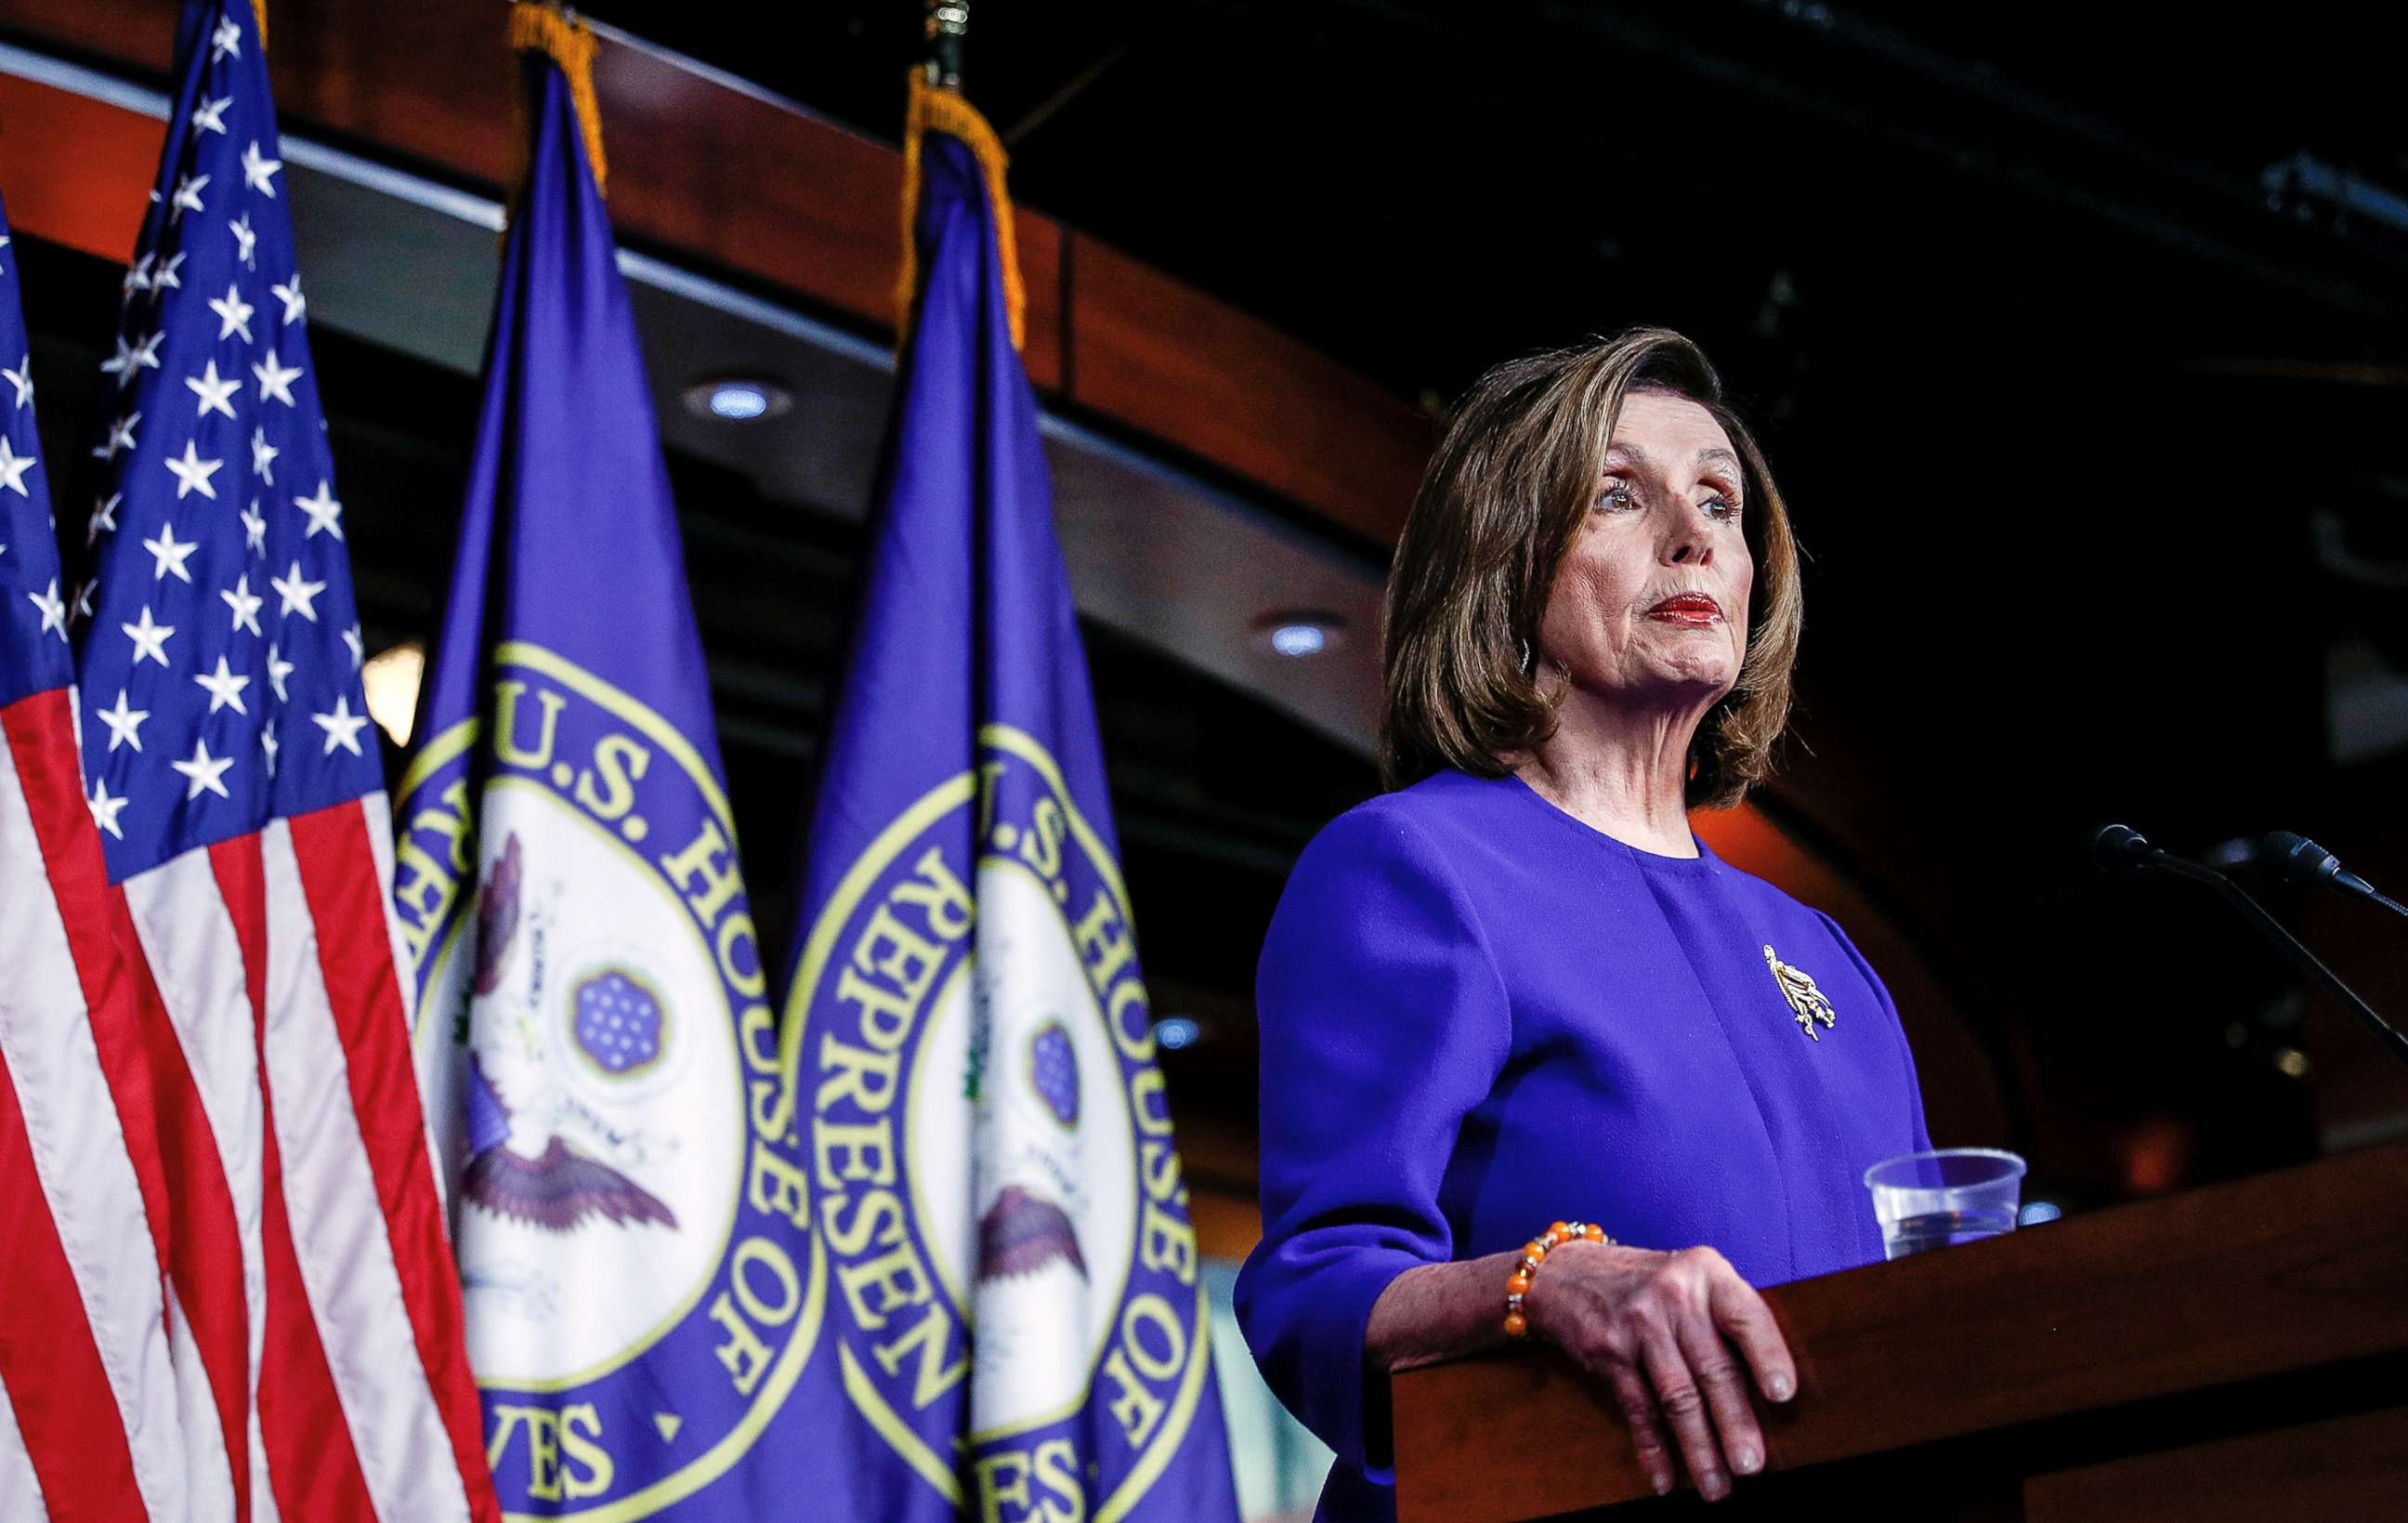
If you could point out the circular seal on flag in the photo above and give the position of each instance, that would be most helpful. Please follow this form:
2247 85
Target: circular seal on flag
630 1201
992 1155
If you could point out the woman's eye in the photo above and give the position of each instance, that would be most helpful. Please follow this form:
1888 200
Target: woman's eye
1614 498
1722 508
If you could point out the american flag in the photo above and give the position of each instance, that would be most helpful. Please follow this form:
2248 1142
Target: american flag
238 792
88 1420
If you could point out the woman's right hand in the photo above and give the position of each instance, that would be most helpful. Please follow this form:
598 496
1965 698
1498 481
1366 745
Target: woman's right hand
1660 1327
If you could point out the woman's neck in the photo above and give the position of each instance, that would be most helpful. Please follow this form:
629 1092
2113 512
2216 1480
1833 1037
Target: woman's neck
1620 770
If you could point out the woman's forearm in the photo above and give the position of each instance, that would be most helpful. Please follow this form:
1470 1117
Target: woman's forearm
1434 1312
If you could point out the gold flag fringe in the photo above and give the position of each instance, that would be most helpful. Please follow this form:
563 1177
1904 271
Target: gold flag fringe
541 28
259 9
934 108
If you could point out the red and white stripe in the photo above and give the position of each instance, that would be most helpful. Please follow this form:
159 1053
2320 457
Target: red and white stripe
195 1019
21 1490
273 967
90 1418
215 1056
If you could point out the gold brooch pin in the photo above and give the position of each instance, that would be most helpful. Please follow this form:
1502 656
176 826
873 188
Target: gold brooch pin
1805 1001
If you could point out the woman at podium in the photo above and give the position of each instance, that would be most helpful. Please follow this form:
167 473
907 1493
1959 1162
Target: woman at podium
1536 1063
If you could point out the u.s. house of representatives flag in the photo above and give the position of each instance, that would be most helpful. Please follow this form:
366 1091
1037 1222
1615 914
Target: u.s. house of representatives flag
629 1206
241 806
1014 1312
88 1414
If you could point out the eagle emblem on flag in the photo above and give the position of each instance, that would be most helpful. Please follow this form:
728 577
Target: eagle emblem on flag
555 1190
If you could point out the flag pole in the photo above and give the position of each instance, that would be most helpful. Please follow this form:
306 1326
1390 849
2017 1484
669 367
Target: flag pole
948 24
936 105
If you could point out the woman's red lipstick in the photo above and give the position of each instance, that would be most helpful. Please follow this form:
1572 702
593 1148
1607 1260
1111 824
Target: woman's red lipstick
1696 610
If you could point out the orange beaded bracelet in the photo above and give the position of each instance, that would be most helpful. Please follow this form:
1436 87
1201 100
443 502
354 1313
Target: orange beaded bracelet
1534 1253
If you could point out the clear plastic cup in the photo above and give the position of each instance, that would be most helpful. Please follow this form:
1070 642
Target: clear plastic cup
1937 1200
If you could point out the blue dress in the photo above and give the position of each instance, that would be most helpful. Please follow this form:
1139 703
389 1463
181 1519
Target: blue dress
1479 1016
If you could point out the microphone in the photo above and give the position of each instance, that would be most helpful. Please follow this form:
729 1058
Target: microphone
2121 847
2294 857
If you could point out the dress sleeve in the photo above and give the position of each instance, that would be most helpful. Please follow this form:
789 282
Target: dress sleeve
1383 1023
1897 1031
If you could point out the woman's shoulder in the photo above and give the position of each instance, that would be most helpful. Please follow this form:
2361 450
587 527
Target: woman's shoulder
1387 891
1422 817
1438 808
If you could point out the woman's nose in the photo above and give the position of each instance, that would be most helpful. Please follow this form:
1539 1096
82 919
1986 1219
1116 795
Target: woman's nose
1686 543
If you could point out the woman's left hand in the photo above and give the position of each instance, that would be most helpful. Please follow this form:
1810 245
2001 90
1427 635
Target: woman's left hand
1659 1328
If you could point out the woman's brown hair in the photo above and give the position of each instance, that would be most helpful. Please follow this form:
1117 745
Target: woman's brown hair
1497 510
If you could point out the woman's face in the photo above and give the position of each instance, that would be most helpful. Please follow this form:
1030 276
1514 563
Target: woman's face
1650 607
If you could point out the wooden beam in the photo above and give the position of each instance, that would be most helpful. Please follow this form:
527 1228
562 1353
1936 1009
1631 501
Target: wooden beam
1186 368
75 171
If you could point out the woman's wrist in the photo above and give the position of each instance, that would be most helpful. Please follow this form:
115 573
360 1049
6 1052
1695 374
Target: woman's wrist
1549 1246
1543 1304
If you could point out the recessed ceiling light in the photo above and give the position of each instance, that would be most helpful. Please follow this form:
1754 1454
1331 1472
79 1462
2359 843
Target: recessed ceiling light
1177 1031
1299 633
738 398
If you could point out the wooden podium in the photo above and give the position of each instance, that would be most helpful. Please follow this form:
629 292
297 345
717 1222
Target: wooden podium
2237 1352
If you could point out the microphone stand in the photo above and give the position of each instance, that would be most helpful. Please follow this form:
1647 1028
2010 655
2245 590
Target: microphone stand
2382 900
2125 845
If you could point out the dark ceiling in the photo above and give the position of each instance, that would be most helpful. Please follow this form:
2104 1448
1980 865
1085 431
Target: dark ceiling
1421 188
2056 382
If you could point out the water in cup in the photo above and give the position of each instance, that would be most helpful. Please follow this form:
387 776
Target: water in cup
1944 1229
1936 1200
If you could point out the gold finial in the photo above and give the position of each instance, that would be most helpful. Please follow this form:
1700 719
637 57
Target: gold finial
947 25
